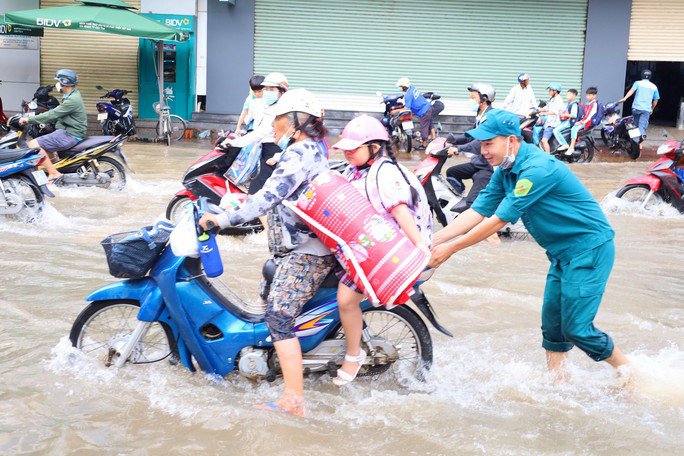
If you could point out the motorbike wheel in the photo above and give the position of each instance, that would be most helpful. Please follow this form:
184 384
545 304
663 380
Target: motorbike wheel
587 154
634 150
176 208
107 128
402 141
637 193
30 195
114 168
407 332
105 325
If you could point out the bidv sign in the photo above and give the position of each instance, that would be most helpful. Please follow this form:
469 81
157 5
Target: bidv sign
181 23
178 23
45 22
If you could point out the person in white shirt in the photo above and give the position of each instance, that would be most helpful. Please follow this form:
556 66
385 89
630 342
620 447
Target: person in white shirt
552 111
255 93
521 97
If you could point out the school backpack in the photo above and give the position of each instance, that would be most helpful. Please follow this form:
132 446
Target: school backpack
600 114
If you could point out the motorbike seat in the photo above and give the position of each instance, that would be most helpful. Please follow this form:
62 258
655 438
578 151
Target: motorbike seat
270 267
92 141
10 155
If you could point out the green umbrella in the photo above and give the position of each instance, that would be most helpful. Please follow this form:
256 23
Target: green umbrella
104 16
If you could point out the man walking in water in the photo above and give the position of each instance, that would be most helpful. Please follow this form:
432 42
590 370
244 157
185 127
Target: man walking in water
563 217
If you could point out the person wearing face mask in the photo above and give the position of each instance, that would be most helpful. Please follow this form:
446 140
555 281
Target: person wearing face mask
478 169
303 261
563 217
70 119
274 86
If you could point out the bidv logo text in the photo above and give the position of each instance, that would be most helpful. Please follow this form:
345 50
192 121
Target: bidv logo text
45 22
177 22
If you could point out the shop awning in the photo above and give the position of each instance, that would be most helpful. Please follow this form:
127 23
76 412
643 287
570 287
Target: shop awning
104 16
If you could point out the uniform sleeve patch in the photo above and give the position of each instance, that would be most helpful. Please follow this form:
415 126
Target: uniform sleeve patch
522 187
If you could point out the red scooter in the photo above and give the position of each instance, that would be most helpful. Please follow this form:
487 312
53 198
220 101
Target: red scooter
661 182
206 177
3 118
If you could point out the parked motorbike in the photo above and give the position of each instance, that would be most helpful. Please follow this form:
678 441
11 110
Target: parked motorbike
42 102
22 186
661 182
585 146
399 125
177 311
207 178
90 163
621 134
443 195
116 115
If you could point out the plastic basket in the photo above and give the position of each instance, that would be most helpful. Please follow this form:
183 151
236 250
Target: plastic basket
131 254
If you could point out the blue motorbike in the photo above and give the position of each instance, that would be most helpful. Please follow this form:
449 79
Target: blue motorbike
177 312
22 186
621 134
116 115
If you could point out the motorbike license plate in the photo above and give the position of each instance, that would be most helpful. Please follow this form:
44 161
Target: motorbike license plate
30 114
102 116
634 133
40 177
408 125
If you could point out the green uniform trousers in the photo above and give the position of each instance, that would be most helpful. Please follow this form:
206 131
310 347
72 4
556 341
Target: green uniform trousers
572 297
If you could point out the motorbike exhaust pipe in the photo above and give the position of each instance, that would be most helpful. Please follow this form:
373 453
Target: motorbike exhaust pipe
102 180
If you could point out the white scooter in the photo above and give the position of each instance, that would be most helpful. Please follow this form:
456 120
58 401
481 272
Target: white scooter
445 197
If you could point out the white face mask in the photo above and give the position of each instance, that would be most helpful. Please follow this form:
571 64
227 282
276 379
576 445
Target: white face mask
509 158
473 105
58 86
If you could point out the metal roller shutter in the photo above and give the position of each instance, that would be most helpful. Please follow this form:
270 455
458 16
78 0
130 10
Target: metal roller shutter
360 46
656 31
99 59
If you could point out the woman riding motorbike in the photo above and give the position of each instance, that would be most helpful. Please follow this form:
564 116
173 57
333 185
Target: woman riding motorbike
302 260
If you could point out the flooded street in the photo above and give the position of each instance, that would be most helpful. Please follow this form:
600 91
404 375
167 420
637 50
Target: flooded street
487 391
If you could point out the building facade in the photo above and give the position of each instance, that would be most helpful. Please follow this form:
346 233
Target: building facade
346 51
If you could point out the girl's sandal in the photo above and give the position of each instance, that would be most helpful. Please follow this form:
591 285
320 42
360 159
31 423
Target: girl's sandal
344 378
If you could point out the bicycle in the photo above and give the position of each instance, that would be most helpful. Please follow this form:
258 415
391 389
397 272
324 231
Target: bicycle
170 126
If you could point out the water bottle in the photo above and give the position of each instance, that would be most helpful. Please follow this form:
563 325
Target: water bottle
209 254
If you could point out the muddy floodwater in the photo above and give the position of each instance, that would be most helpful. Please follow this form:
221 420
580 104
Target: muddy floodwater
487 392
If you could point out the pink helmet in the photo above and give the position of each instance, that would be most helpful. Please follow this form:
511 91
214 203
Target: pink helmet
359 131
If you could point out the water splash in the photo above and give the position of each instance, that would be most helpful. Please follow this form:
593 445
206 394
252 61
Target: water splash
611 204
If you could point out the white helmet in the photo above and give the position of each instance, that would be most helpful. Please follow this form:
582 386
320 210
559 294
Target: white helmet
483 89
297 100
276 80
403 82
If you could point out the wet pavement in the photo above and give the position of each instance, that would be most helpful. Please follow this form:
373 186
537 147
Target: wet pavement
487 391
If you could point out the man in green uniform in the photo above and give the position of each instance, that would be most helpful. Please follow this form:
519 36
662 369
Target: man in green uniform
563 217
69 117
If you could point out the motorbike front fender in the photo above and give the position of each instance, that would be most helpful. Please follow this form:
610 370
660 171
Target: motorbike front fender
145 291
187 193
652 181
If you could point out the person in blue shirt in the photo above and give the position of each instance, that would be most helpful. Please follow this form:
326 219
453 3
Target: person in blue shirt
419 106
569 118
563 217
646 98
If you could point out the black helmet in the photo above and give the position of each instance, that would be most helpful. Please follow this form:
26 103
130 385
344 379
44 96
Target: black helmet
646 74
66 77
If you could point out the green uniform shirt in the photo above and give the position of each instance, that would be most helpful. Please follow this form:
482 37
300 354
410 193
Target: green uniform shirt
556 208
70 115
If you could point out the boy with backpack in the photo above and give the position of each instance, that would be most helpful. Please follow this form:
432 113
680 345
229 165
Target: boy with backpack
572 113
593 114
